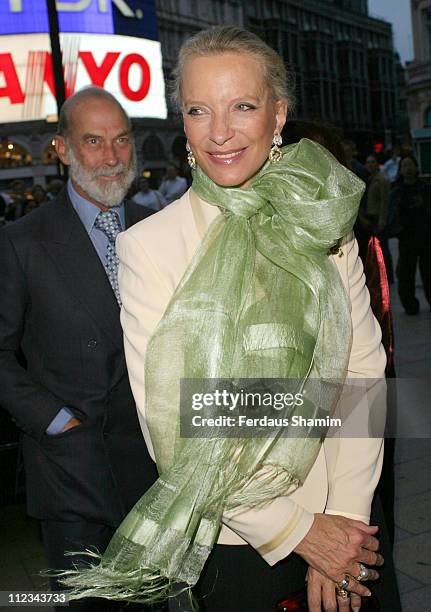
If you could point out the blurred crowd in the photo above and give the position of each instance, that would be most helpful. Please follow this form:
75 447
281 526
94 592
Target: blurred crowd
396 204
18 200
171 188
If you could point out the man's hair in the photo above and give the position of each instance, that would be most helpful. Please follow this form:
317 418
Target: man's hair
325 134
231 39
65 119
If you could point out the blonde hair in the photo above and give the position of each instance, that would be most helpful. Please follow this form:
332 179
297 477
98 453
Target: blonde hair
231 39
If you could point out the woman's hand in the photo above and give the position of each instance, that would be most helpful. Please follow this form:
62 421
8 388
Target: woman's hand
335 545
321 594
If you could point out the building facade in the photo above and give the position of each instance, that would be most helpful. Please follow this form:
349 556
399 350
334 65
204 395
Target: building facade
343 60
419 70
419 83
344 63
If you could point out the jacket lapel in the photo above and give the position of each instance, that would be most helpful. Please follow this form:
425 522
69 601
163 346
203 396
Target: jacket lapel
76 259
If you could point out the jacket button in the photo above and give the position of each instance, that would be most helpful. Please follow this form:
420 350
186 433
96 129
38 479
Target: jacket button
92 343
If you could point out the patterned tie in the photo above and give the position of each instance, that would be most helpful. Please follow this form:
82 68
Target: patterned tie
109 223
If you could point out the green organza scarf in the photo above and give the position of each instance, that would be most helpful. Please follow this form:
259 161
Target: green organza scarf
261 299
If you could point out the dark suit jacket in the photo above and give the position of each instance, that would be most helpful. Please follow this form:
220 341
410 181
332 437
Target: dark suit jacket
58 308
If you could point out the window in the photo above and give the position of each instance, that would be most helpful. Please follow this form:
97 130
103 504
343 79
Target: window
427 24
427 117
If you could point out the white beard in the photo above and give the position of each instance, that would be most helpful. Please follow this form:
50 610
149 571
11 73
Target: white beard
110 193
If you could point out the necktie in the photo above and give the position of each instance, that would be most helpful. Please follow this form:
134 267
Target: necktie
109 223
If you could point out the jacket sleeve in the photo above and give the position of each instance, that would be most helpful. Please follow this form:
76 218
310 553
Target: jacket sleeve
30 405
354 458
274 530
144 298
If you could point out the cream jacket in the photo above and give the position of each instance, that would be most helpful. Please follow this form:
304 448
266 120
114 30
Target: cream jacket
154 255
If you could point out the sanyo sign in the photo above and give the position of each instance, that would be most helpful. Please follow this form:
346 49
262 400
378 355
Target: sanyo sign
95 51
16 6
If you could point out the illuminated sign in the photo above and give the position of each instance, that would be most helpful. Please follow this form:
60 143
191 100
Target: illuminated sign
96 51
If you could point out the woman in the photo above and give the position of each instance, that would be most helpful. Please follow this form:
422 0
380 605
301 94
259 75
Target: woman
234 280
411 202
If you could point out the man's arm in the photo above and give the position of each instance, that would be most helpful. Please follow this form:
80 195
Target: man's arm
30 405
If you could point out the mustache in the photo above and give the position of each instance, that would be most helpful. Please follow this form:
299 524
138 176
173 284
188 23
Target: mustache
120 168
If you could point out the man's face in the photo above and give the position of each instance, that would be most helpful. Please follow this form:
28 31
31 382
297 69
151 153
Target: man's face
18 187
99 151
372 165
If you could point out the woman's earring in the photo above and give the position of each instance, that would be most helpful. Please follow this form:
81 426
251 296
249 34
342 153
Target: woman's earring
190 157
276 153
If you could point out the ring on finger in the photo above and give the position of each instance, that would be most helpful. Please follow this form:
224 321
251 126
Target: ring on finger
364 573
342 593
343 585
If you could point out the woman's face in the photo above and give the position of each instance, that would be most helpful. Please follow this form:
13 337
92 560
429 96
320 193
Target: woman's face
229 116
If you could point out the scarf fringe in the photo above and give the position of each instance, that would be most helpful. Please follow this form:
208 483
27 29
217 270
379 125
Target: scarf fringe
141 585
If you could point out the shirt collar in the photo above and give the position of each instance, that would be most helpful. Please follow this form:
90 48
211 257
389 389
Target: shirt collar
87 211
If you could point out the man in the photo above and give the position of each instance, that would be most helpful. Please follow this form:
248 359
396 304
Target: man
376 210
53 188
351 152
86 462
173 186
151 198
2 210
17 206
390 167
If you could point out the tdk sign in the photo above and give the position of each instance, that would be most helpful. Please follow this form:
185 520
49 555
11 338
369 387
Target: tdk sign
125 17
79 5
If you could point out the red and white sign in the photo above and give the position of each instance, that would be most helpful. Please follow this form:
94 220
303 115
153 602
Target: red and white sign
130 68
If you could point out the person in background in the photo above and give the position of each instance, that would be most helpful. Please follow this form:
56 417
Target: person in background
16 208
374 216
390 167
173 186
53 188
326 135
39 196
350 153
151 198
376 210
411 198
2 210
84 457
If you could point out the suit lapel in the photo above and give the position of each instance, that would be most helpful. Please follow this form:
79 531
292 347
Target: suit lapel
74 255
